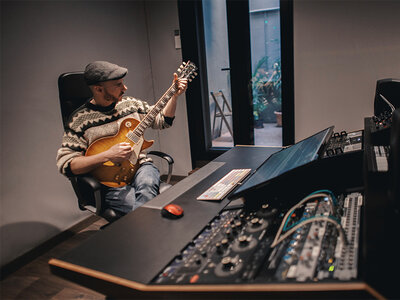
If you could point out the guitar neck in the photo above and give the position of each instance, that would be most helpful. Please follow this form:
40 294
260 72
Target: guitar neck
187 70
150 116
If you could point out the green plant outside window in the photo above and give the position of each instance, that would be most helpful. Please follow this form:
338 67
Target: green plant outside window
266 86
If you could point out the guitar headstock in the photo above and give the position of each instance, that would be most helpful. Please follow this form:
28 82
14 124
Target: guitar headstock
187 70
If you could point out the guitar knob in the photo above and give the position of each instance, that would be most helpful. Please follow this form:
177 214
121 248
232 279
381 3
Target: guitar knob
125 178
116 177
131 170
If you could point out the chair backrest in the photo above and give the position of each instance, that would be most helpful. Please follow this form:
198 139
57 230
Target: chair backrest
73 93
390 89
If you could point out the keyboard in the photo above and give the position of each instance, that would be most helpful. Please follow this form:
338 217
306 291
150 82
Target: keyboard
226 184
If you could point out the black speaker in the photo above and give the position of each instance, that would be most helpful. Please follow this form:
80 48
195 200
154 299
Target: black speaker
394 159
386 90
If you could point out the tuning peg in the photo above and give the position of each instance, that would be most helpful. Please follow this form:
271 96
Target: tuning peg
184 63
190 80
195 73
179 70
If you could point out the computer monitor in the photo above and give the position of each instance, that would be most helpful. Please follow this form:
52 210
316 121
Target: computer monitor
285 160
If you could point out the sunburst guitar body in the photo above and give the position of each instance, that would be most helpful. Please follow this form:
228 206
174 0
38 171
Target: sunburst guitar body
131 131
118 174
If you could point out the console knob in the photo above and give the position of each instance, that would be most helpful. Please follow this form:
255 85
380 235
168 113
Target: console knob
234 229
244 240
330 152
227 263
256 222
219 248
338 150
238 224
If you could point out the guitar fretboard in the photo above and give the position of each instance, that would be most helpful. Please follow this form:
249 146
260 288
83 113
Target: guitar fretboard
135 134
187 71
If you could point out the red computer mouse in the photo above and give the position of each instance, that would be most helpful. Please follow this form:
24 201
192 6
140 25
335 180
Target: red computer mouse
172 211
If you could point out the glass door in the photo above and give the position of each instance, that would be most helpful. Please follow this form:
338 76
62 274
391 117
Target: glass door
218 73
265 36
264 18
244 50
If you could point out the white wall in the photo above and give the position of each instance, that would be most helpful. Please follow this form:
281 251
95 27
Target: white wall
39 41
341 48
162 21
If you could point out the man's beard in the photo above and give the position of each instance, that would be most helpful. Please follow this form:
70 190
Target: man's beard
111 98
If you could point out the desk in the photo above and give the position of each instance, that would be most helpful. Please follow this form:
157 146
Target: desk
122 259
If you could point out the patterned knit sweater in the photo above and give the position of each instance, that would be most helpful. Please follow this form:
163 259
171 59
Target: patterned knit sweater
91 122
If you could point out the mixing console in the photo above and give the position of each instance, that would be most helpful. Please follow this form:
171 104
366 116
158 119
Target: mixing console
344 142
233 244
380 128
319 241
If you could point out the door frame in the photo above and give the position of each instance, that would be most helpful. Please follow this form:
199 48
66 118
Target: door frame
193 48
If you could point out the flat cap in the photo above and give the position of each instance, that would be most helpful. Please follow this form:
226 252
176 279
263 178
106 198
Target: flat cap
99 71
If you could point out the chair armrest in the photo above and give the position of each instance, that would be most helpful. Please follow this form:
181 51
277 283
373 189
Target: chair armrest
163 155
87 188
93 183
166 157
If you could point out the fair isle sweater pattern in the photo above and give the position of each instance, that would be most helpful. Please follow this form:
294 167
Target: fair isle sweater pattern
90 122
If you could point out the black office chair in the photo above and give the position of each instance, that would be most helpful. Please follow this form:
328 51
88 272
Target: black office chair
73 93
389 88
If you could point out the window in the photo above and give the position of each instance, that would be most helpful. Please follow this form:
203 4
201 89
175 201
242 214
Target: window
244 50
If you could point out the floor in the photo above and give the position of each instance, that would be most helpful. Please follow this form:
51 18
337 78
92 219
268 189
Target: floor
34 280
269 135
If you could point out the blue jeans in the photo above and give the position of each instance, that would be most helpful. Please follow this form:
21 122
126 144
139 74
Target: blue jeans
144 186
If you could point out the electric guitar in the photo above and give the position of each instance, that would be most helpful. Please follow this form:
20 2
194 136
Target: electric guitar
131 131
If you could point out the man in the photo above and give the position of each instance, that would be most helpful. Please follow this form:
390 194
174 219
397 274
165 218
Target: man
100 117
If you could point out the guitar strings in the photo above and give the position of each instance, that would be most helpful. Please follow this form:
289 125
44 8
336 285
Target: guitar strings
135 134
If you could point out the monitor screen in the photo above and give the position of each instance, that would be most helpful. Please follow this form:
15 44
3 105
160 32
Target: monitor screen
285 160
